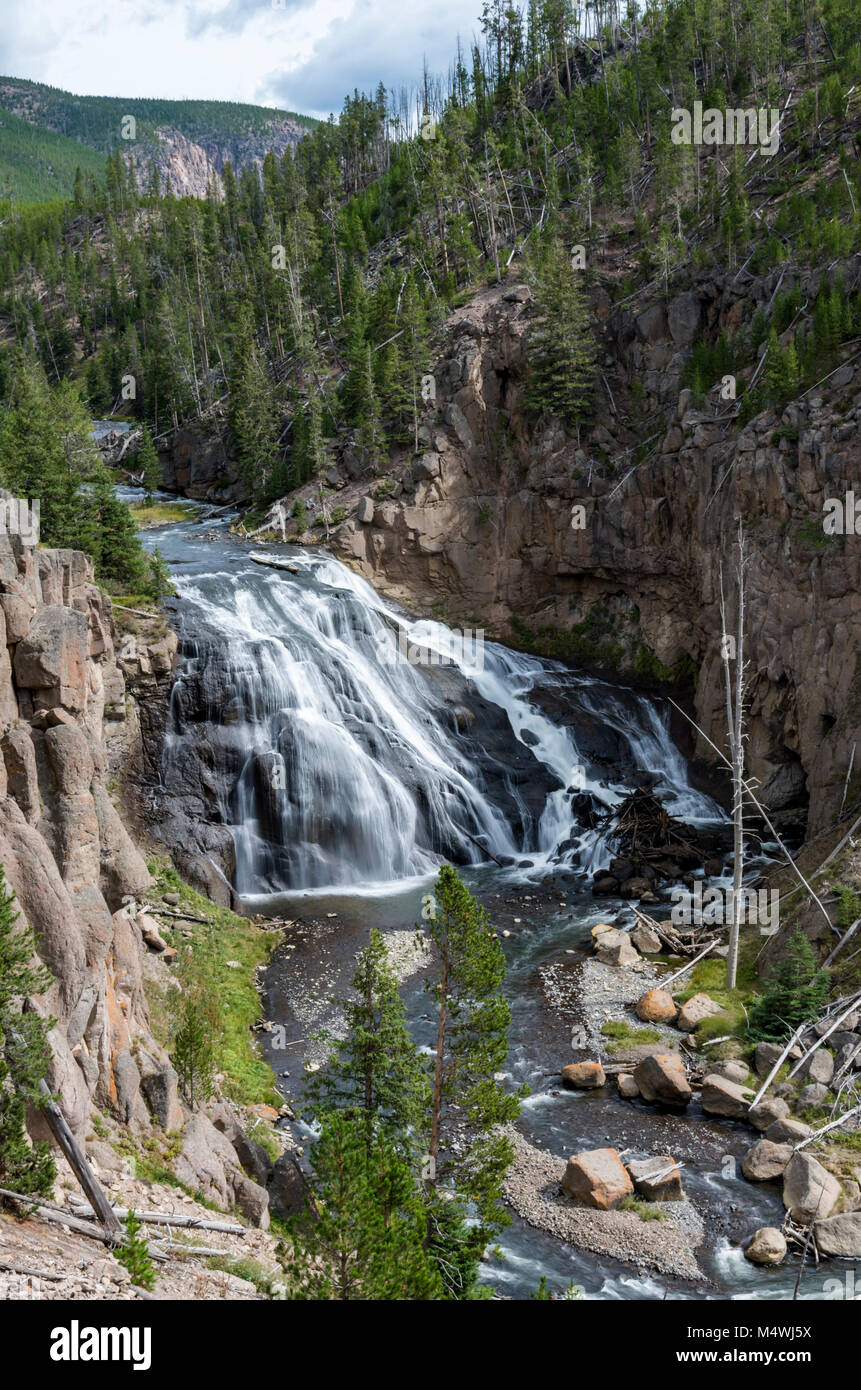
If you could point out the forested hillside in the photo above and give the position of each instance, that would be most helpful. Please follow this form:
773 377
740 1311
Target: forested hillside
298 307
39 165
186 142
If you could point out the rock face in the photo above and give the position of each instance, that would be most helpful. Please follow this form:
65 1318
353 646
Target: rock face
64 848
661 1077
597 1178
767 1246
645 558
208 1162
809 1190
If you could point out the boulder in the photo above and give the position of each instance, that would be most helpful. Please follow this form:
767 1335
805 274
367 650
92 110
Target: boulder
628 1087
698 1008
365 510
656 1006
160 1093
646 941
722 1097
787 1131
840 1236
599 929
149 930
287 1187
252 1200
657 1179
813 1095
614 948
769 1109
733 1071
767 1246
765 1160
819 1067
583 1076
766 1055
661 1077
809 1190
597 1178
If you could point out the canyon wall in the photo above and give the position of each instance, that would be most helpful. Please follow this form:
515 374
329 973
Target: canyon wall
486 521
66 853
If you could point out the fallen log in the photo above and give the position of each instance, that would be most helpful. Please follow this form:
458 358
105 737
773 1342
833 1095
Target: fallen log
77 1159
7 1268
274 564
55 1216
167 1218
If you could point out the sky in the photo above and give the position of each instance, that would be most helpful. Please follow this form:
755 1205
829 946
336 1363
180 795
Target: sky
301 55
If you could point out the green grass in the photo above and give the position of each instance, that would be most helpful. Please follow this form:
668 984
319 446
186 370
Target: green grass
623 1032
709 977
203 961
148 514
645 1210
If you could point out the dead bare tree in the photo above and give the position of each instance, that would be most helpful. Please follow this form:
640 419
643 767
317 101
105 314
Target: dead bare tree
732 648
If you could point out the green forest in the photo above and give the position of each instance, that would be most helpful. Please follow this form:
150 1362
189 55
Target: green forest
298 309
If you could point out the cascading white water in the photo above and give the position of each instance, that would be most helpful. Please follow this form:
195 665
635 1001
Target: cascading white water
353 766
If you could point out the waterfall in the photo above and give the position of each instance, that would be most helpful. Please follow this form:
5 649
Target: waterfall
347 745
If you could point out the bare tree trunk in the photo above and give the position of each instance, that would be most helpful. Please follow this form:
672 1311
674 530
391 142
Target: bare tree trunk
735 731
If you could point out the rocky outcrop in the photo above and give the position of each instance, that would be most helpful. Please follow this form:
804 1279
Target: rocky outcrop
65 851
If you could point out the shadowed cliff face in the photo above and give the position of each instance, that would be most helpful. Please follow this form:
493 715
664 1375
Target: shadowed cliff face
484 522
65 851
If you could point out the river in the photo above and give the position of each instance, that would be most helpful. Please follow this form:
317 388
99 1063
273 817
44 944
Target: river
346 772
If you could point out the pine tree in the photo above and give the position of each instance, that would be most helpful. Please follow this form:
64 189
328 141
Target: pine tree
471 1047
251 412
134 1254
116 549
370 439
361 1236
24 1053
193 1052
148 464
561 347
375 1072
795 990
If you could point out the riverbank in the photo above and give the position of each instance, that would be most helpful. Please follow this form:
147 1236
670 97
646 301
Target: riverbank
665 1242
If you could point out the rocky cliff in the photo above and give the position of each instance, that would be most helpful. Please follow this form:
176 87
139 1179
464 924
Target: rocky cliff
486 520
67 720
65 850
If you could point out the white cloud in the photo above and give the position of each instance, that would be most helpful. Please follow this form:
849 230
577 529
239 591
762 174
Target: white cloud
302 54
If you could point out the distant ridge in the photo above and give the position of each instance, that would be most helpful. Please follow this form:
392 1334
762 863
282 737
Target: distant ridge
186 141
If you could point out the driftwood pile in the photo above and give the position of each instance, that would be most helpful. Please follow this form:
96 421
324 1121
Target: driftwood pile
651 846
